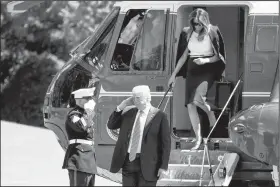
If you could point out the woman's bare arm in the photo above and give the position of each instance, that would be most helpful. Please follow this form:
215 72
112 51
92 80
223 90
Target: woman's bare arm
181 62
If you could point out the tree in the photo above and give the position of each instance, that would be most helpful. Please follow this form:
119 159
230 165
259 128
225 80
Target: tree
35 45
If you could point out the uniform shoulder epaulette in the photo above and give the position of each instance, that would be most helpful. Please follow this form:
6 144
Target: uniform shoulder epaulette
74 112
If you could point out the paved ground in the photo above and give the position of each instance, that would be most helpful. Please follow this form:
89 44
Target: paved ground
31 156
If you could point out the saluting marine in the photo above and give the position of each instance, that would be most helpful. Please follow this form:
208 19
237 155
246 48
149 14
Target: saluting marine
80 155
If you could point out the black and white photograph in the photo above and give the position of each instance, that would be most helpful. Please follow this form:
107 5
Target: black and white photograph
140 93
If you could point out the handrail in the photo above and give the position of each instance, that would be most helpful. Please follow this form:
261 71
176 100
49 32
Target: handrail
206 151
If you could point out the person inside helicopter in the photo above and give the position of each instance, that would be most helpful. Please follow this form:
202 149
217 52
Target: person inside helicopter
140 41
130 31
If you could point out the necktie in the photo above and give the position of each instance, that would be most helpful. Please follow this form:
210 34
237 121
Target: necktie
135 138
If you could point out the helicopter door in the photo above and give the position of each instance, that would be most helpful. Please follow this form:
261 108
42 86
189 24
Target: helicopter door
261 58
72 77
138 57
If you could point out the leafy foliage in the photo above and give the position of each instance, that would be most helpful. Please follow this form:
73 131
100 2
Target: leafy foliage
35 45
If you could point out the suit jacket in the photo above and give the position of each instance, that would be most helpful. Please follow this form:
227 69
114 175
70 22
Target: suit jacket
217 44
156 142
80 157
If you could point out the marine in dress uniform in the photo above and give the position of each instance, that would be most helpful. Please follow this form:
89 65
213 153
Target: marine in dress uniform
80 155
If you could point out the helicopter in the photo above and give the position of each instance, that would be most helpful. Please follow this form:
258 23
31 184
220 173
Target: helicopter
254 130
137 43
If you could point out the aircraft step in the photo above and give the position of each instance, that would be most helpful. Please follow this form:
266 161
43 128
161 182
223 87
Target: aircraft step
179 182
185 166
194 157
188 171
223 144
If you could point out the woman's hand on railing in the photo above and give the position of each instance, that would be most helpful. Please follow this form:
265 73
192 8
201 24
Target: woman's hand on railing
171 81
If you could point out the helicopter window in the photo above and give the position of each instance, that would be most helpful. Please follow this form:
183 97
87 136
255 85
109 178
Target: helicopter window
131 26
141 41
130 31
96 56
266 38
148 55
73 80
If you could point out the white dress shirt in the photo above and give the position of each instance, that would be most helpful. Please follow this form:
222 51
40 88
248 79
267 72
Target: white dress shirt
143 119
200 48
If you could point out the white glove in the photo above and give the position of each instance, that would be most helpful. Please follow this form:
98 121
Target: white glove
89 108
90 105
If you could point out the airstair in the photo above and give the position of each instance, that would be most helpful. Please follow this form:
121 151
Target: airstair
186 168
201 167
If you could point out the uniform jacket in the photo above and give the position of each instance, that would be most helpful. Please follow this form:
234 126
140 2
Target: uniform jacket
217 44
156 142
80 157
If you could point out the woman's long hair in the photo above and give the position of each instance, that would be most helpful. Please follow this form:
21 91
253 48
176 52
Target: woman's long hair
203 17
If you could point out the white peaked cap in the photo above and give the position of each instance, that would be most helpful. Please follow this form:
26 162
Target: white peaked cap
83 92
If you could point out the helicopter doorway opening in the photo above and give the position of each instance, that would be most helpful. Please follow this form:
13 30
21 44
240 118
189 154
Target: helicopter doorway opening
231 21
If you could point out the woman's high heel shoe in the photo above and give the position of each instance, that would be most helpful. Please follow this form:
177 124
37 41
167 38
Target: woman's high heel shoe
197 144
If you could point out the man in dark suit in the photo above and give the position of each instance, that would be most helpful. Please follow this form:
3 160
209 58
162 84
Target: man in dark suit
143 146
80 156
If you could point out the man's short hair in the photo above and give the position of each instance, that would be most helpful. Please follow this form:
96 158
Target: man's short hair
142 89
